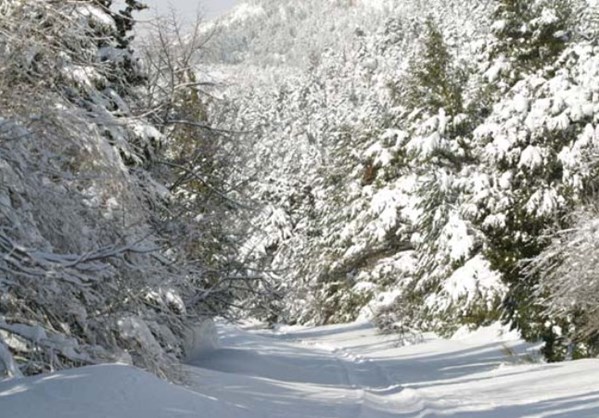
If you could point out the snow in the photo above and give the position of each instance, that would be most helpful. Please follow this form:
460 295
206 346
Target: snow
96 15
115 391
7 362
532 157
384 203
243 12
134 329
520 104
543 202
201 339
346 371
458 241
473 279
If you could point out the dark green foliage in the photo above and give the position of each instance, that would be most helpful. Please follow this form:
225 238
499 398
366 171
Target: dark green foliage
124 21
434 82
529 33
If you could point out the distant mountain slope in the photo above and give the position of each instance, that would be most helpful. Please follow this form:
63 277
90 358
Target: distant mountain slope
288 32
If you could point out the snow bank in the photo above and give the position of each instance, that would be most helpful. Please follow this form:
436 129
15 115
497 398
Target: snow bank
114 391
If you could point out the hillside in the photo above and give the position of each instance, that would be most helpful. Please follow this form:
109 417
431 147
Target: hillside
287 33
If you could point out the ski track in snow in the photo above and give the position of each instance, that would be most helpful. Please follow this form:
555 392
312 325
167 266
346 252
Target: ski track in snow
342 371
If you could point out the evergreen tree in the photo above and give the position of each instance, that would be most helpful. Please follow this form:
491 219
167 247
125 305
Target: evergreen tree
433 81
440 153
527 36
523 145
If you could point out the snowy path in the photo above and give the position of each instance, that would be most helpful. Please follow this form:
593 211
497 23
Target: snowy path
350 372
287 375
343 371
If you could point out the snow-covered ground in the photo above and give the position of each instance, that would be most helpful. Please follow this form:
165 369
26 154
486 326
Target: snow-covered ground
345 371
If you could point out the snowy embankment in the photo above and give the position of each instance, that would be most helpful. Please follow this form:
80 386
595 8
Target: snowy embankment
343 371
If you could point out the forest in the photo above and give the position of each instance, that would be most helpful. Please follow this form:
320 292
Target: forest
428 166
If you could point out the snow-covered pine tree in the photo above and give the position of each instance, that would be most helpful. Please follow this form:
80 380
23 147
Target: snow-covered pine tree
527 35
532 146
434 81
453 284
339 104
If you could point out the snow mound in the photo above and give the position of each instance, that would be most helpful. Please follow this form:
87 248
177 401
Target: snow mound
114 391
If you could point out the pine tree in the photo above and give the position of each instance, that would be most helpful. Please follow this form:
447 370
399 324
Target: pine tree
526 145
439 152
434 81
528 35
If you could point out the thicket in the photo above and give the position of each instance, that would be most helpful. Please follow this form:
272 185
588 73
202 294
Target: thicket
115 231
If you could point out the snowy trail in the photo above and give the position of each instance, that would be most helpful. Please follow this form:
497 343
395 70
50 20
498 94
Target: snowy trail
326 378
343 371
349 371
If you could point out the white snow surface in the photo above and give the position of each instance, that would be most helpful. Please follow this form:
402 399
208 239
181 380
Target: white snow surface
341 371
